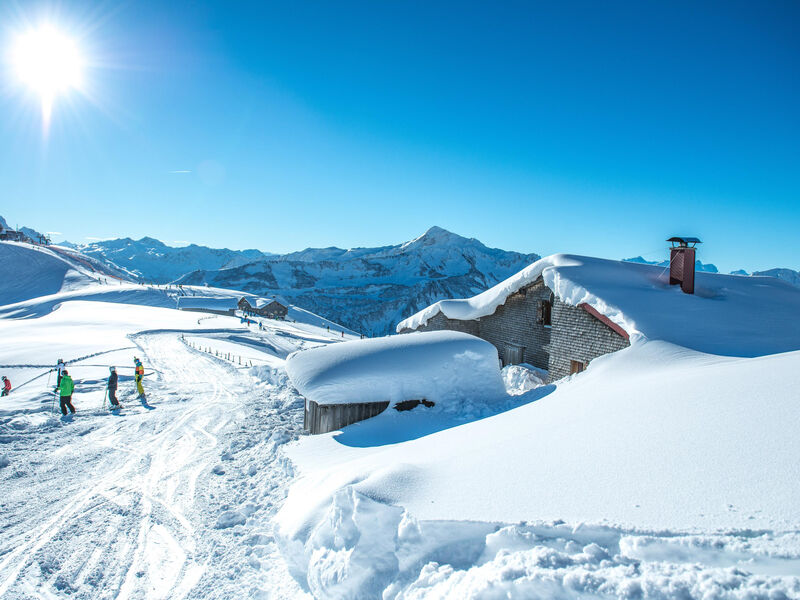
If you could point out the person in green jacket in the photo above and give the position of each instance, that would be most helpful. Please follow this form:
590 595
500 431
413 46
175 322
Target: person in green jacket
65 389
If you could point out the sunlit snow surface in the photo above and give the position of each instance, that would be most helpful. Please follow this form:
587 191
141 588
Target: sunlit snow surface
660 472
444 367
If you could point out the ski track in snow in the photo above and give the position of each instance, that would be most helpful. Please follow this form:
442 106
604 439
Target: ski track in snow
169 500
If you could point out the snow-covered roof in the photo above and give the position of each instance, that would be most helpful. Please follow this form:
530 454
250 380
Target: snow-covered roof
262 302
441 366
208 302
727 314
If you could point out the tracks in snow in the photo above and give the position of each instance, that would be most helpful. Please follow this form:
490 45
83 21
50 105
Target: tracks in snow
129 506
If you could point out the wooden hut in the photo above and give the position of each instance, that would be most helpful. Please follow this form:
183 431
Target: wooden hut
271 308
347 382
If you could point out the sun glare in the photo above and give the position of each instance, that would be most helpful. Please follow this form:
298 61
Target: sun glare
49 63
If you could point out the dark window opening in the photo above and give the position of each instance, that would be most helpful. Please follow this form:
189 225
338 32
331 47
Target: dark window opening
576 366
545 312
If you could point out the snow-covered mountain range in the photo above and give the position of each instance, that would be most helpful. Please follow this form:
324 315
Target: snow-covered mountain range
366 289
699 266
154 261
787 275
370 289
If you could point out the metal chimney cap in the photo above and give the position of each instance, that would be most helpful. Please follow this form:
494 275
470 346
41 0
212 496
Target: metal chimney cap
684 241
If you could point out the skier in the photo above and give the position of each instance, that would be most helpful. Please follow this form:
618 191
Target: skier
138 375
6 387
65 389
112 388
60 366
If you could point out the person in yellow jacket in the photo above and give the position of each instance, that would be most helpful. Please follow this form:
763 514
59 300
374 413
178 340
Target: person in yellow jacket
138 375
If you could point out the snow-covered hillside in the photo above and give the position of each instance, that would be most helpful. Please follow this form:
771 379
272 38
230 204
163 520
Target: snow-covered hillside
658 473
662 471
172 496
366 289
29 271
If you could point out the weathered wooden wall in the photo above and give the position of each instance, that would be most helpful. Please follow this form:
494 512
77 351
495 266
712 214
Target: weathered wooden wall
322 418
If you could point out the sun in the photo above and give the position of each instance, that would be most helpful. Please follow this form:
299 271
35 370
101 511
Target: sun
49 63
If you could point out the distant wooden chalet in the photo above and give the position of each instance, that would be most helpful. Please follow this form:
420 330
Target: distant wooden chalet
271 308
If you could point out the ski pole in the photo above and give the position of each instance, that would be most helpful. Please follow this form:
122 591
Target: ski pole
105 394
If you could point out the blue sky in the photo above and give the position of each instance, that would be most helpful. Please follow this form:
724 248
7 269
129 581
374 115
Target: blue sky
583 127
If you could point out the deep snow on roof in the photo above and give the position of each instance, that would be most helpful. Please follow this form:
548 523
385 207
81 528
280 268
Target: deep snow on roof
727 314
262 302
441 366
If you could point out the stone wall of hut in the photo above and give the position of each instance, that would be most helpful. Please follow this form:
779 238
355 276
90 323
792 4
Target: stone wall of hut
518 332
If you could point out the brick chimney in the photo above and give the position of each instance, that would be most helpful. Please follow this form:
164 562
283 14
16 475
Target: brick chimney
681 262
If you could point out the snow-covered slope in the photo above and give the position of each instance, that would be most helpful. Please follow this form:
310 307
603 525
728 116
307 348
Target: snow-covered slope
173 495
660 472
648 475
29 271
369 289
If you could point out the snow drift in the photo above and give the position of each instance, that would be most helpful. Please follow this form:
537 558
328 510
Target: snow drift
617 481
442 366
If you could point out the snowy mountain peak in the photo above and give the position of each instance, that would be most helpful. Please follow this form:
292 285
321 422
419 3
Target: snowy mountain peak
437 235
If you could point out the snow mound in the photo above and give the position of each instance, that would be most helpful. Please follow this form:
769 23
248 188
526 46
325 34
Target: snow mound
441 366
361 548
520 379
727 314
